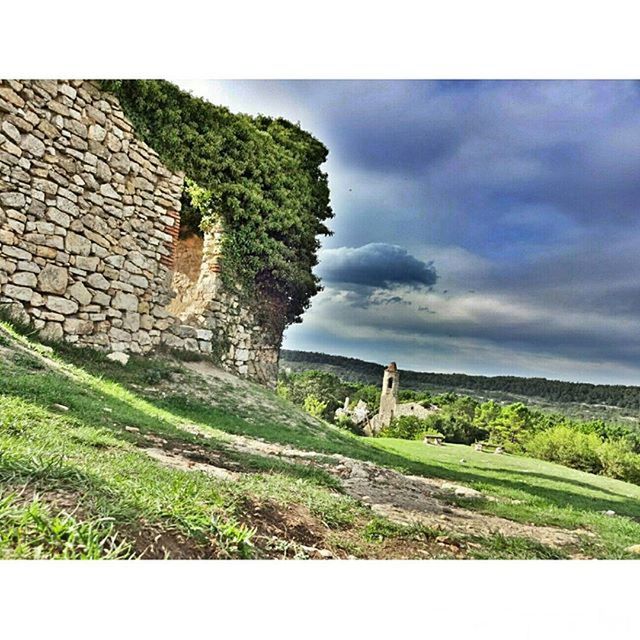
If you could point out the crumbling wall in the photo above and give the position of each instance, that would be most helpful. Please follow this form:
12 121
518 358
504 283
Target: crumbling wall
244 344
89 223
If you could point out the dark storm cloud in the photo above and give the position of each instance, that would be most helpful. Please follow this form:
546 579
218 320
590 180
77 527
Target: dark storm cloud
573 146
363 298
375 265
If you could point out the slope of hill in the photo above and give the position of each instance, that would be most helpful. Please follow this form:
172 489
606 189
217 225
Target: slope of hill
164 458
576 399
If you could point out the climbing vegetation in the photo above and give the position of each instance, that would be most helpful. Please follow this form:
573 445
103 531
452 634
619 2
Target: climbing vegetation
259 176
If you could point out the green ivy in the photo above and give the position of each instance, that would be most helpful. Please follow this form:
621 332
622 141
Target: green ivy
261 176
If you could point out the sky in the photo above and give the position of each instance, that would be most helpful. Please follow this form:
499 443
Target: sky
481 227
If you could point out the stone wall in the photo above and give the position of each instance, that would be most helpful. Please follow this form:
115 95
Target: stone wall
89 223
244 345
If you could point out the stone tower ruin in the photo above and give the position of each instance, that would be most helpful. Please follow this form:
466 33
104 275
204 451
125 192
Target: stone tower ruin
389 394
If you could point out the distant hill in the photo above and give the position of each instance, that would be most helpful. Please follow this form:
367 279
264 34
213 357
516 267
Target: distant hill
598 400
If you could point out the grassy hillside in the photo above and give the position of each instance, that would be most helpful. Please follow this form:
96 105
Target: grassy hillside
614 403
164 458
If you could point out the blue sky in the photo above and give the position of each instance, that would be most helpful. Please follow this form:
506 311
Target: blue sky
480 227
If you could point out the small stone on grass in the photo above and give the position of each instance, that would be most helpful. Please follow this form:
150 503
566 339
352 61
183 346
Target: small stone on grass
118 356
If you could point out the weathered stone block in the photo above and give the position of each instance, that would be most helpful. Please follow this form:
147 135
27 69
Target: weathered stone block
119 335
76 326
186 331
146 322
18 293
63 306
139 281
33 145
53 279
52 332
7 237
12 199
75 243
24 279
87 263
28 266
109 192
11 131
131 321
80 293
125 301
98 281
67 206
101 299
97 132
242 355
173 341
58 217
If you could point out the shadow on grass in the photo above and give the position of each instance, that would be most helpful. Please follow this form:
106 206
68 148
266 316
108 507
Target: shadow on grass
89 397
568 481
561 498
91 405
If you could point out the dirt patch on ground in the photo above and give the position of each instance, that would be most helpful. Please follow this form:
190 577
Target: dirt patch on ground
150 542
414 499
404 499
410 499
285 531
187 463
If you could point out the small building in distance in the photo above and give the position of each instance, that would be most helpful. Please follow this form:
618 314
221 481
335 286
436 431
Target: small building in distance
390 408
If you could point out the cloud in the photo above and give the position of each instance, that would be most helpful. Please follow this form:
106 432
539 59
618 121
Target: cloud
363 298
467 333
526 193
377 265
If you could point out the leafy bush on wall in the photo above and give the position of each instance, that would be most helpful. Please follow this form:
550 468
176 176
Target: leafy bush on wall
261 176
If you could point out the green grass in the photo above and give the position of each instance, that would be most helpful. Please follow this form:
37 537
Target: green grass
77 484
534 491
90 455
30 530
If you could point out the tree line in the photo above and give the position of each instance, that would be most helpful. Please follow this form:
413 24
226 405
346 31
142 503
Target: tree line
595 446
559 391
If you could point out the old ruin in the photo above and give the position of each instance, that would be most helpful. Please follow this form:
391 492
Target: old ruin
91 248
389 409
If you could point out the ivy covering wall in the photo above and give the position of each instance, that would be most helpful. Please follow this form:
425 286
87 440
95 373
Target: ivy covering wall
259 176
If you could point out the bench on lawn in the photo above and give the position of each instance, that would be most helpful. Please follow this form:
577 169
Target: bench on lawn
489 447
433 438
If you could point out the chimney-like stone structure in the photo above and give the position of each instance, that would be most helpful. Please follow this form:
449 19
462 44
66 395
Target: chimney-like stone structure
389 394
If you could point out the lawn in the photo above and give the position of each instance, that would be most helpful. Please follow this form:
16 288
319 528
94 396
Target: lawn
545 493
75 481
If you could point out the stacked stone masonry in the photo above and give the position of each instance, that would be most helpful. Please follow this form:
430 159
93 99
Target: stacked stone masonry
89 224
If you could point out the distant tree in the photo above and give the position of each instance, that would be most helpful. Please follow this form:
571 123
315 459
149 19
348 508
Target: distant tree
512 426
486 415
405 427
327 388
314 406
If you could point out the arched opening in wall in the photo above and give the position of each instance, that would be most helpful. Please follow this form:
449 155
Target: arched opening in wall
187 266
